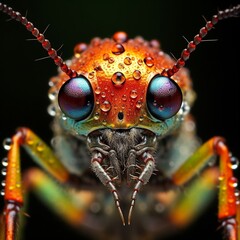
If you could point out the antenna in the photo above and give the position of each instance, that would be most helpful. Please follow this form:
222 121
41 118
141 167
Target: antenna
227 13
40 38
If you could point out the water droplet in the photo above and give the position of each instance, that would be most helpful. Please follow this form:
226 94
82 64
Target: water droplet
118 79
54 142
51 110
2 192
133 94
137 74
161 107
53 81
120 37
224 188
149 61
4 171
105 56
220 178
5 162
140 62
103 94
155 43
98 90
91 75
124 97
139 104
121 66
233 182
127 61
7 143
52 94
231 200
141 118
118 49
96 41
3 183
64 118
98 68
236 193
40 147
105 106
185 108
234 162
104 122
79 48
111 60
96 116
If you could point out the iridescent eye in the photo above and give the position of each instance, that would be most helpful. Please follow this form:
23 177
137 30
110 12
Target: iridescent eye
75 98
164 97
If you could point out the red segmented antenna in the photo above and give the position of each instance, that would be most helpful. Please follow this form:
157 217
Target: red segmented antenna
40 37
227 13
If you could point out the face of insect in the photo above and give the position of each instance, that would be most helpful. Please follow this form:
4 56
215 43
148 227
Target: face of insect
119 87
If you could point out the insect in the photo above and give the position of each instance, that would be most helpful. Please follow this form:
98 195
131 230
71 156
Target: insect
127 120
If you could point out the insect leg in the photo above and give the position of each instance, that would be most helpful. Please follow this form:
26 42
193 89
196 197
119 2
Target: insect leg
43 155
200 192
227 199
68 206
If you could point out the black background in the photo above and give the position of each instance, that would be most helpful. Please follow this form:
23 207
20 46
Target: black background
24 82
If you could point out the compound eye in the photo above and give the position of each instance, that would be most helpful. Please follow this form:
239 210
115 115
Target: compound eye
164 97
75 98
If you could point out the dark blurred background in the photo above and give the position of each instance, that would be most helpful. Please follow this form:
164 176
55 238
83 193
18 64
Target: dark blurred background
24 82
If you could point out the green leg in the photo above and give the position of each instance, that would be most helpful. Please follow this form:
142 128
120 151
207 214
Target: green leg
72 208
194 198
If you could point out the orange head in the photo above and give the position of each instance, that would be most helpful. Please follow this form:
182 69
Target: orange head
120 86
